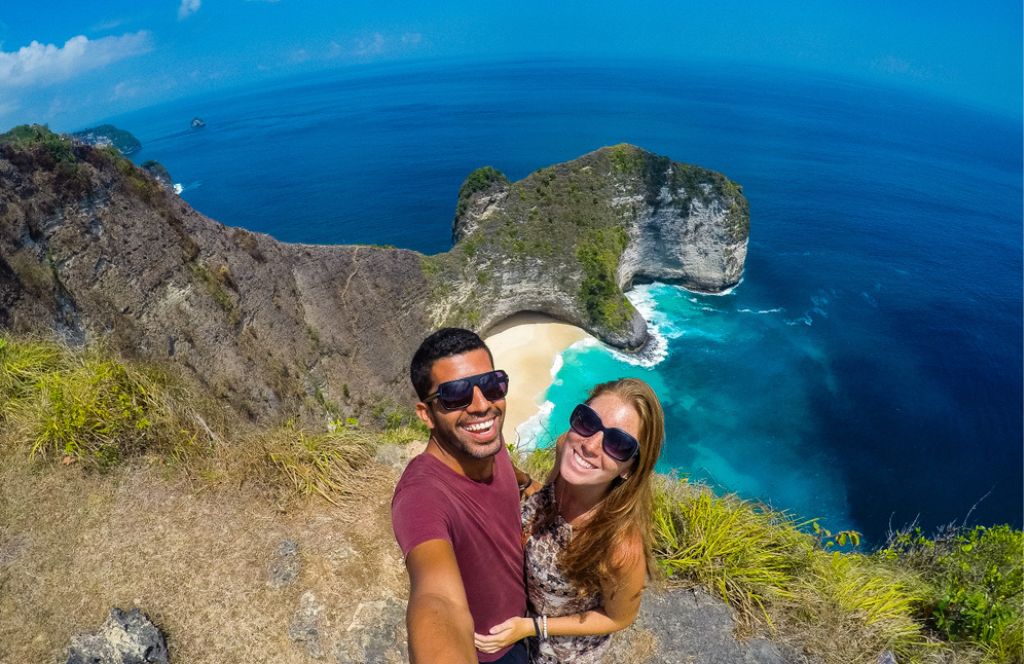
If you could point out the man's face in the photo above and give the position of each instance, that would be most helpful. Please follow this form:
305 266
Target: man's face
474 430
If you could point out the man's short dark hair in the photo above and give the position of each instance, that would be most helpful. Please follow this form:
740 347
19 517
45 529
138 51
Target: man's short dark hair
445 342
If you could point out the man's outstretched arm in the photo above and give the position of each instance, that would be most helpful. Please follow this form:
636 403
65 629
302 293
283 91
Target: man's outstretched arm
440 626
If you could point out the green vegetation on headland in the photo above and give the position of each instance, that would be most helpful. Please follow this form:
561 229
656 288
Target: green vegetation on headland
105 135
564 231
955 596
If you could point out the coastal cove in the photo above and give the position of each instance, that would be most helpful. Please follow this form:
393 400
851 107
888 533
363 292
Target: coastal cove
866 370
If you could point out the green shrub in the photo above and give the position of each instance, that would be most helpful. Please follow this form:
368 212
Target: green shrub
85 407
976 581
51 148
97 411
598 254
479 180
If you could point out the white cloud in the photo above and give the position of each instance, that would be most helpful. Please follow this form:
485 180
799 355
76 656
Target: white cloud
125 90
45 64
103 26
412 39
374 45
188 7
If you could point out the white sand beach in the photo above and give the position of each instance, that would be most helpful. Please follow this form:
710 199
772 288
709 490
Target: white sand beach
526 346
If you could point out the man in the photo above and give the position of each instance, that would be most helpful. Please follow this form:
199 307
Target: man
456 508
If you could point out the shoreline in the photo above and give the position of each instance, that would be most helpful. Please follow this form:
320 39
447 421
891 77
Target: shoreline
527 346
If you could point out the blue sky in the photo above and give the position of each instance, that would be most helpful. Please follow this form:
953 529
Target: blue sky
69 63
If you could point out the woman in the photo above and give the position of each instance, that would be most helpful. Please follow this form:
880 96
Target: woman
587 532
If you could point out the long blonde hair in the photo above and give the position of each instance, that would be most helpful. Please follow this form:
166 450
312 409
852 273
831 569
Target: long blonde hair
624 514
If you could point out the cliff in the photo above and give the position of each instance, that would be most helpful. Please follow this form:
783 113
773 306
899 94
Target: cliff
569 239
94 248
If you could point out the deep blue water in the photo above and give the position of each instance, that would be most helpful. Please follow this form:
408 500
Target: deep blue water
867 370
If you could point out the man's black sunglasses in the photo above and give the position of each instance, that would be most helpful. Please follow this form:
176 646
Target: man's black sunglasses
457 394
617 444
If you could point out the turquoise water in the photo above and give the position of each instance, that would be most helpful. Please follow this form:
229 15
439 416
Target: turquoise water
867 370
759 441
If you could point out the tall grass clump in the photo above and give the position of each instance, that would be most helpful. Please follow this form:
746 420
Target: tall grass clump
333 465
748 554
85 407
22 365
854 607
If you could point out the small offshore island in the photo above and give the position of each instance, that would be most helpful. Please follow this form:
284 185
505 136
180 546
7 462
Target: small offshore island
201 427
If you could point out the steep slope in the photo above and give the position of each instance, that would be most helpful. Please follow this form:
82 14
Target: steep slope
95 249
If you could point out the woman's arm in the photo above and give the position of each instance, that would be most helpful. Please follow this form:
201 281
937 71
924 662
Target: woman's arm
621 596
622 602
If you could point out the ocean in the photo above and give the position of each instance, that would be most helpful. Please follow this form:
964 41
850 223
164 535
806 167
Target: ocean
867 370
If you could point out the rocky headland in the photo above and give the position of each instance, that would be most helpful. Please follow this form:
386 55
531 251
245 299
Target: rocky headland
109 135
96 249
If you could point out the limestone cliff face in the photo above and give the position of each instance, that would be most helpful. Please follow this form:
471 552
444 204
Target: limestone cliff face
95 249
569 239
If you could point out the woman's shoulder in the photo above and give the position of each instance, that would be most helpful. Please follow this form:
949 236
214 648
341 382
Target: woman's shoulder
539 500
539 511
628 551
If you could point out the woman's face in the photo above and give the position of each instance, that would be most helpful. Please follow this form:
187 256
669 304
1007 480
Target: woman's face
583 460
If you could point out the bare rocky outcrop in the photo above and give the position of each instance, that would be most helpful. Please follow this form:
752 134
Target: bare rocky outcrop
127 637
94 249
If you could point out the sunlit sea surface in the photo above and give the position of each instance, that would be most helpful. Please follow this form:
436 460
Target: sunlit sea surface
867 370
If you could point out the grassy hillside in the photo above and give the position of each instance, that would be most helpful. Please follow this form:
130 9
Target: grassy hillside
82 430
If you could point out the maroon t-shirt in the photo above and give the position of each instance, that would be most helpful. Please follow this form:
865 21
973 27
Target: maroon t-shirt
481 520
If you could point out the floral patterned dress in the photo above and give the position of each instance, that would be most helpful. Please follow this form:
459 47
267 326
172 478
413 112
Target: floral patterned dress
548 591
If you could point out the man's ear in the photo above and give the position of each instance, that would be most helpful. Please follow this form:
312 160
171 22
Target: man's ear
423 412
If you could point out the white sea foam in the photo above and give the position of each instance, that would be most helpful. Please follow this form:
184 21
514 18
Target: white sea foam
536 428
727 291
556 366
178 188
659 327
761 312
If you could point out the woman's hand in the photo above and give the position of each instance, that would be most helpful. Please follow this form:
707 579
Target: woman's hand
504 634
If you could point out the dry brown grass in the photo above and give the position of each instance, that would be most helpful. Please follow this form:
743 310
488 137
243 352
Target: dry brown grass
193 555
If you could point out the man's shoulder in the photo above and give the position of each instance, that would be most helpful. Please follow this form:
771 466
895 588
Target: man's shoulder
423 480
421 469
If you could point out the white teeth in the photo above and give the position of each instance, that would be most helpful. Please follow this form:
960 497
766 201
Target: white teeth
478 426
583 462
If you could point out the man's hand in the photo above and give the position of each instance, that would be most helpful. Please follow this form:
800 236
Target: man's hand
438 619
504 634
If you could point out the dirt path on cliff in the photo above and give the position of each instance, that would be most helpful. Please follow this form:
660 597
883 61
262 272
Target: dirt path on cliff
227 574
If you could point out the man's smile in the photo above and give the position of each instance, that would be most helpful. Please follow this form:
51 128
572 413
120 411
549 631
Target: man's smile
481 429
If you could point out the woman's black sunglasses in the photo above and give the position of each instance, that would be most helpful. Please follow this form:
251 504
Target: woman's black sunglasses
457 394
617 444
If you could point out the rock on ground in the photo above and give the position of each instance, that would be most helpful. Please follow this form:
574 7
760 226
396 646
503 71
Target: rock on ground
692 627
376 634
125 638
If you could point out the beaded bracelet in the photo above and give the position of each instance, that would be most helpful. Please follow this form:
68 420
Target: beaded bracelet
545 627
